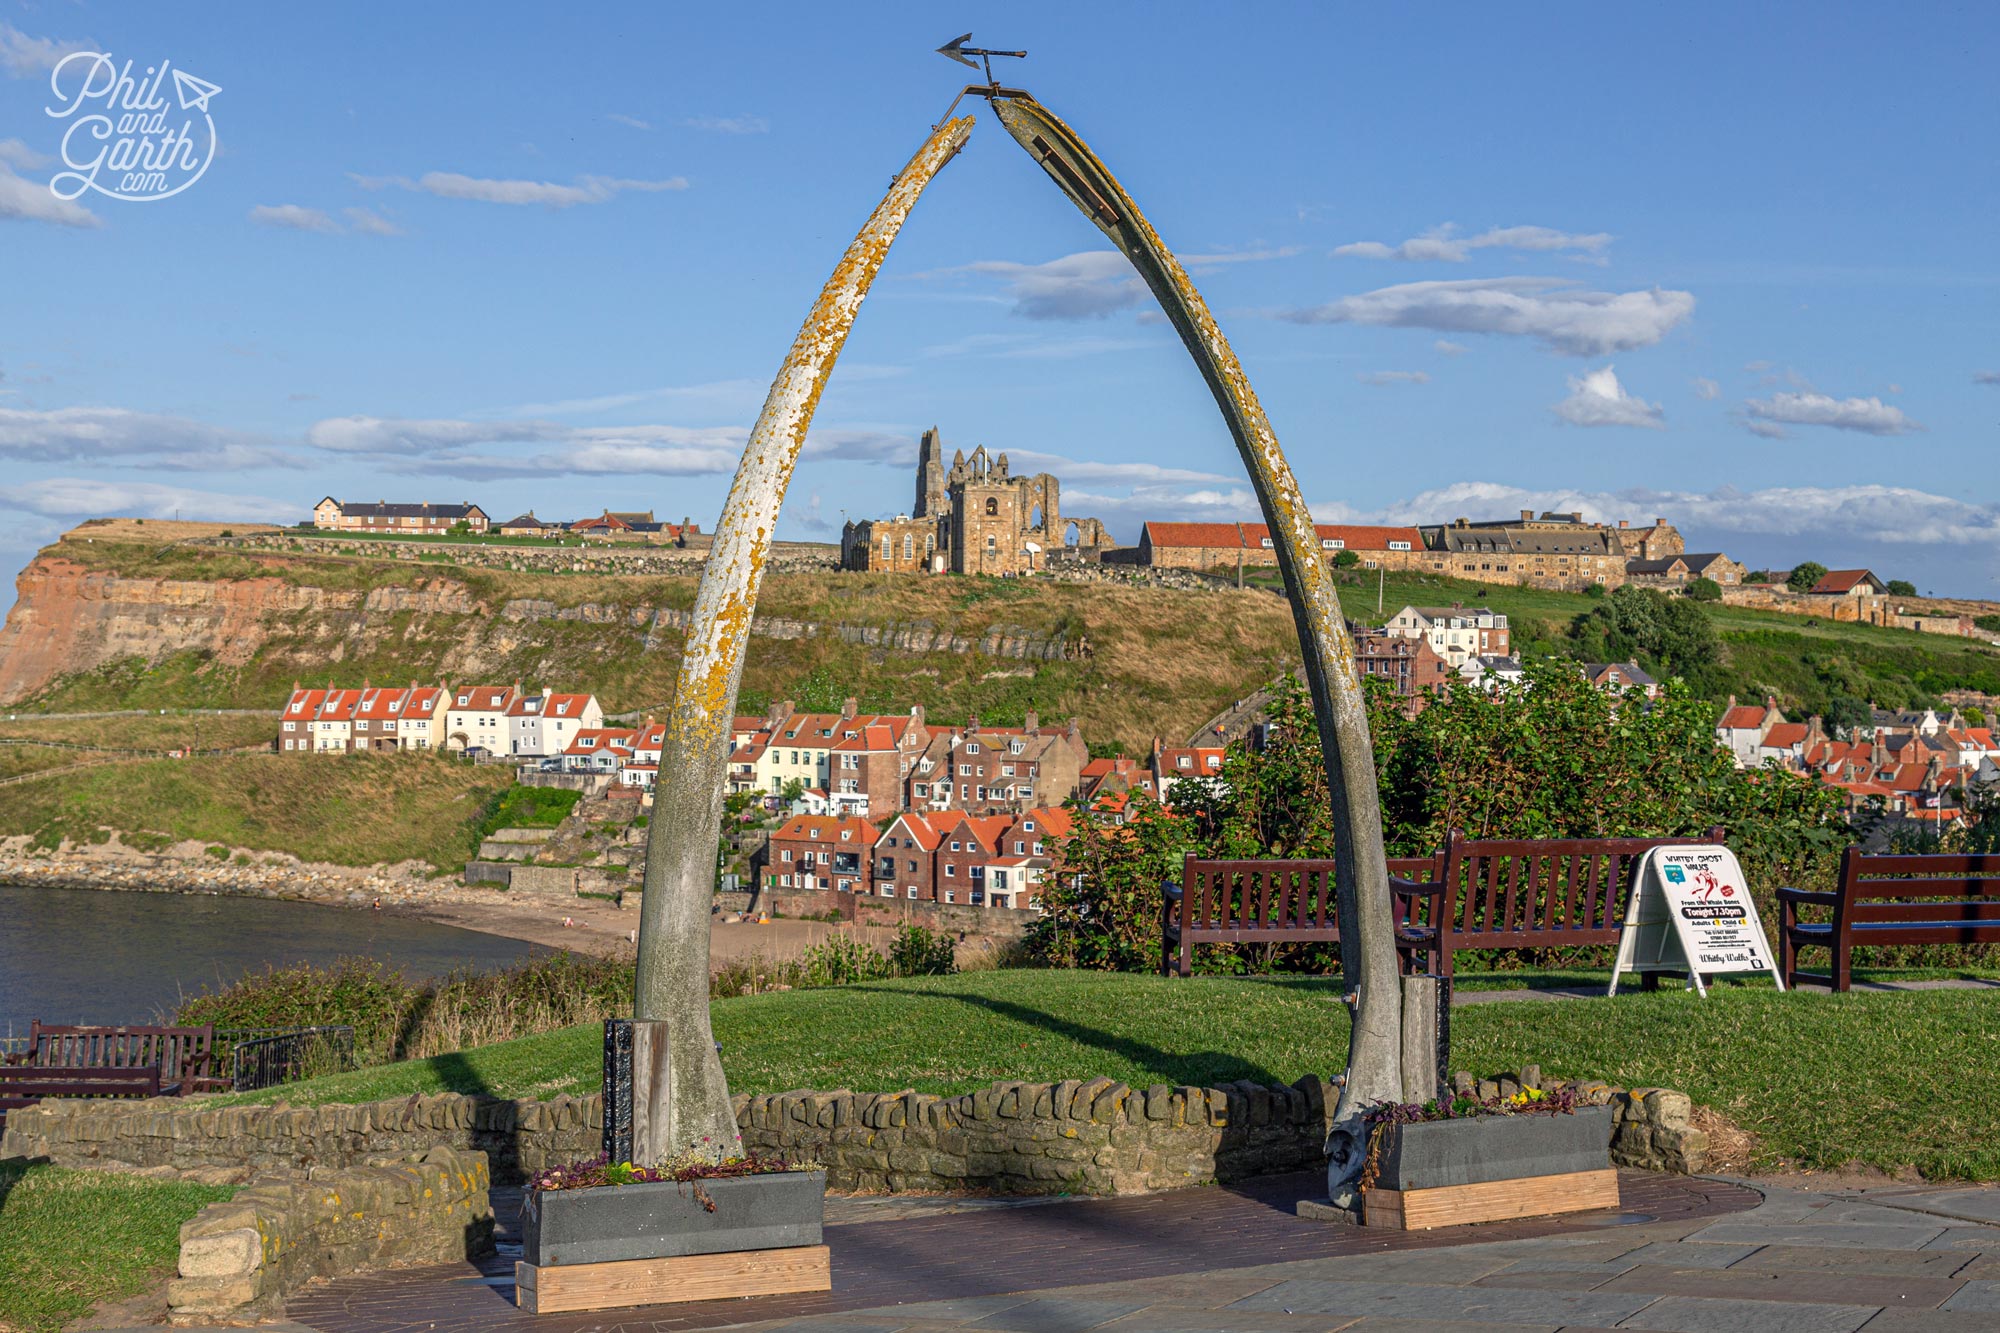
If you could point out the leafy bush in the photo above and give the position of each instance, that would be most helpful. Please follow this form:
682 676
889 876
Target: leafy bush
1803 577
918 951
1703 590
1551 758
841 960
1900 588
528 807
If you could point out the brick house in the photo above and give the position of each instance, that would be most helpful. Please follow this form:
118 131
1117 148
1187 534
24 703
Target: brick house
371 719
820 852
423 517
527 525
1618 677
1413 669
987 770
857 759
905 859
967 845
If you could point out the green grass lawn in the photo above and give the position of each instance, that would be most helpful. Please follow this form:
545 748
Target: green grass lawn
1901 1080
70 1239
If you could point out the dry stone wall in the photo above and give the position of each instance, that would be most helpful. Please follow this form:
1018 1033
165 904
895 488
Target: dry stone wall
239 1259
1086 1137
1652 1128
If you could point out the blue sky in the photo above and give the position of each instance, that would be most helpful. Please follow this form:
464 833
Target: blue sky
1733 265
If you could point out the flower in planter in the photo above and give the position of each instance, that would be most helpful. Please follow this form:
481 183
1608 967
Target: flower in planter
693 1165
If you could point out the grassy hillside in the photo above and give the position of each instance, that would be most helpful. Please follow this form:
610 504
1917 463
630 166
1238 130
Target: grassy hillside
1161 662
359 810
1803 662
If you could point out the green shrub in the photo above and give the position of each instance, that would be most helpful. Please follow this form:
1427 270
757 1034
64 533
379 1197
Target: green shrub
840 960
217 852
918 951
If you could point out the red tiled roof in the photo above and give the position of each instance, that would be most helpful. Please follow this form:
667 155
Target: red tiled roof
1743 717
1193 534
1786 734
304 703
486 698
919 827
860 833
565 705
381 705
1842 580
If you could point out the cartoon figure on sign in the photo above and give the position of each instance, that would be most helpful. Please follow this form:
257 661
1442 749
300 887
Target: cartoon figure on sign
1711 887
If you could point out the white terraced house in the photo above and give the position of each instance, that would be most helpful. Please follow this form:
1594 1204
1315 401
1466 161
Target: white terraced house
337 721
545 724
476 718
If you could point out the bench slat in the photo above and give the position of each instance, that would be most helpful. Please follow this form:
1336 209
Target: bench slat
1970 886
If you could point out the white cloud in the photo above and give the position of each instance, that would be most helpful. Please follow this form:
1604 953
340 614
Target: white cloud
1089 285
1870 416
728 124
102 435
1382 378
1552 310
16 153
466 448
1598 399
1769 430
1449 348
632 121
1986 377
31 201
295 217
586 189
1446 245
23 57
1706 389
367 222
62 497
740 393
1200 262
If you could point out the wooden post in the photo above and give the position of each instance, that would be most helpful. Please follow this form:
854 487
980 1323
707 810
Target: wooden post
652 1061
1420 1038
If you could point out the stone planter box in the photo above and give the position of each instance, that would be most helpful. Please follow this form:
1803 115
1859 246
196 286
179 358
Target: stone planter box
1489 1168
653 1243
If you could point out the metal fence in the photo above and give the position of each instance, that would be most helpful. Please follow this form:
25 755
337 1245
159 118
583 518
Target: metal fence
266 1057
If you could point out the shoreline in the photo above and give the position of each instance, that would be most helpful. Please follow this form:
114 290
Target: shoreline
595 927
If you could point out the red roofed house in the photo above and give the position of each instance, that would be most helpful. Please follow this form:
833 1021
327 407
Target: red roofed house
904 865
407 719
544 724
1117 774
600 750
820 852
969 844
295 729
1172 763
1743 729
476 717
1849 583
986 770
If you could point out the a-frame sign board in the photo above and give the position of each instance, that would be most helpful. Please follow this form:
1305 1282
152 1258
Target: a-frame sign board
1690 911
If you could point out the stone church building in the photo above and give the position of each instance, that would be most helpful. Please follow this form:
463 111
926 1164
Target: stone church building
973 517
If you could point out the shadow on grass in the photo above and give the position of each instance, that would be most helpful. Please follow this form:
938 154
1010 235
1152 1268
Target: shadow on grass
1197 1068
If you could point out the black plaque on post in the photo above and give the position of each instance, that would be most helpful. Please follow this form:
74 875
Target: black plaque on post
618 1089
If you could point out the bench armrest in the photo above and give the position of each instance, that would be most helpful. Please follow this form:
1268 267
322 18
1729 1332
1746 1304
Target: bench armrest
1414 888
1811 897
1172 891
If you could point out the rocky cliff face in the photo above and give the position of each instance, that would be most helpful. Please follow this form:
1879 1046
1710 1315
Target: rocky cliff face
70 619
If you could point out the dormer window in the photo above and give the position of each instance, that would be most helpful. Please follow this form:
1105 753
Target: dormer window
1184 762
1028 824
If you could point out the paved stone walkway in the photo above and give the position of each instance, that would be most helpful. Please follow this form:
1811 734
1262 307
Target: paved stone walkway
937 1255
1881 1260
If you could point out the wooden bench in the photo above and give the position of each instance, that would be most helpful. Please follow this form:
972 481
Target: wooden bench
1255 902
1891 899
24 1085
1530 893
184 1056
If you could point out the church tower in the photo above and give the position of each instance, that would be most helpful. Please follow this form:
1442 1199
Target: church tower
930 476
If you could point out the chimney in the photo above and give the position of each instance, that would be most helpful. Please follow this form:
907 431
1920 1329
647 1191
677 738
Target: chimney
848 708
1527 514
1031 724
917 714
1624 523
1659 523
1576 516
972 723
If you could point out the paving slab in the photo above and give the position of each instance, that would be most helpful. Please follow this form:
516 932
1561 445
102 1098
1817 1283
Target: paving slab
1819 1258
1974 1205
1056 1314
1166 1319
1407 1300
1852 1236
1694 1314
1979 1295
1883 1291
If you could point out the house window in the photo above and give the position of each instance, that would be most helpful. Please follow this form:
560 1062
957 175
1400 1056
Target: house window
954 846
912 891
951 871
972 747
786 855
291 726
951 895
992 511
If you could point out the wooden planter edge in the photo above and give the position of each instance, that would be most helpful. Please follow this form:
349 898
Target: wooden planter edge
544 1289
1490 1201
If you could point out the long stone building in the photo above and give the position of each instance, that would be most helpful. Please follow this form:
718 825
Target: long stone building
1548 550
974 517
